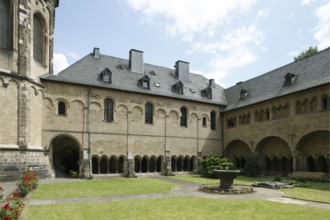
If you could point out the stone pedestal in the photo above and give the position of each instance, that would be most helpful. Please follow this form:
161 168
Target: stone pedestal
130 169
167 168
226 177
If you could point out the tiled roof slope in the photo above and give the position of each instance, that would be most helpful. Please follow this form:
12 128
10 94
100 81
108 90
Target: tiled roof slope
311 72
87 70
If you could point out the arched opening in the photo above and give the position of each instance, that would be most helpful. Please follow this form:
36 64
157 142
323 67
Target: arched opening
121 162
192 164
273 149
95 165
152 164
173 163
137 164
284 164
65 155
313 145
310 164
321 164
268 164
236 151
159 164
179 164
104 165
186 164
113 164
144 165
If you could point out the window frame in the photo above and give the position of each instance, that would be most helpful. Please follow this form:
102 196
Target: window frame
213 117
6 25
148 115
108 110
61 108
183 117
39 39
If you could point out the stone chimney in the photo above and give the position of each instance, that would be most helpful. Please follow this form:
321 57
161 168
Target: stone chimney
182 70
136 61
211 83
96 52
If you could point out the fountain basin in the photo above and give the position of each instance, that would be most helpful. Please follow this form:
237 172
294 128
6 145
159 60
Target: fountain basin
226 177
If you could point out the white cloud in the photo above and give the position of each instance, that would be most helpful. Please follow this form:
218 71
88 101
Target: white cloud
306 2
231 51
60 62
322 34
186 18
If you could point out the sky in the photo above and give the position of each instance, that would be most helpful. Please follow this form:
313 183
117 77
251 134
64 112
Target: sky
226 40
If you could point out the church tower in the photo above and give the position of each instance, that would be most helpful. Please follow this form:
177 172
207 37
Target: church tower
26 53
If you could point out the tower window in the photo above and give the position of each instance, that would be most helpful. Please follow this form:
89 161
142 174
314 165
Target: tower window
108 110
148 113
183 117
38 38
5 24
61 108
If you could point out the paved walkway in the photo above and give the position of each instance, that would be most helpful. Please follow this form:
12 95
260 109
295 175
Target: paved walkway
185 189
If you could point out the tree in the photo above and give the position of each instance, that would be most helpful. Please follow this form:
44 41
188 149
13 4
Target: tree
306 53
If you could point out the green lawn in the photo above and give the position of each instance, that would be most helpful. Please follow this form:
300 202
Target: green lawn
315 191
176 208
109 187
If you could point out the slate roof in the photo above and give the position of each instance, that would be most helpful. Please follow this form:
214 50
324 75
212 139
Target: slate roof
310 72
87 71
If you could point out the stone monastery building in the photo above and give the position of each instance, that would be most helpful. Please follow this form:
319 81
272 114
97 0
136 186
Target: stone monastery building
105 115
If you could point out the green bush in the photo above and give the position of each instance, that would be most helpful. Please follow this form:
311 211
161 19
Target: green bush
252 167
277 179
210 164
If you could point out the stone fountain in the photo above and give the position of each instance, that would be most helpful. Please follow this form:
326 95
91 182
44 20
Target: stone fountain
226 177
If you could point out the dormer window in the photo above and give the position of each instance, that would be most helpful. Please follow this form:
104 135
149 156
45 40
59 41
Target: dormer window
244 94
144 82
152 73
207 93
106 76
289 79
120 67
178 88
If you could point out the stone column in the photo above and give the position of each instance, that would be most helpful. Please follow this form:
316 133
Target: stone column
130 167
167 166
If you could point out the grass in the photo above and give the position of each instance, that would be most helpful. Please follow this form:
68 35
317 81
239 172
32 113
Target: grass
176 208
314 191
112 187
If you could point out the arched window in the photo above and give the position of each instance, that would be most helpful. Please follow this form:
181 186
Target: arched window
213 121
148 113
108 110
183 117
5 24
39 39
61 110
204 121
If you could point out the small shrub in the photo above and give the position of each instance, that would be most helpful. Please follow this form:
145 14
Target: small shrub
252 167
12 210
277 179
1 191
210 164
27 183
